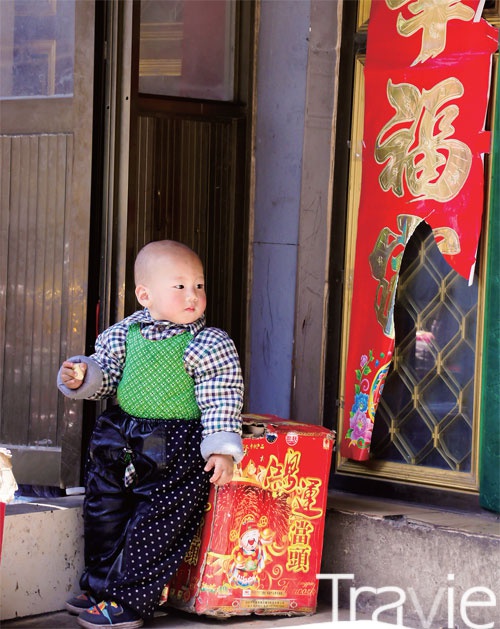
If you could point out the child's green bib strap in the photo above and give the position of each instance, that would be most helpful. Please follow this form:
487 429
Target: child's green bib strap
154 383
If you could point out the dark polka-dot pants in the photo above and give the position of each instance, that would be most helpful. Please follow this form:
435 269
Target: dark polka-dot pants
135 538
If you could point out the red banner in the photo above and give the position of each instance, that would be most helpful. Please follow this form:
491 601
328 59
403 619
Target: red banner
427 80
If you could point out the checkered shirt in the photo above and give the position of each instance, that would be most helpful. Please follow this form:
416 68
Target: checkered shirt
211 359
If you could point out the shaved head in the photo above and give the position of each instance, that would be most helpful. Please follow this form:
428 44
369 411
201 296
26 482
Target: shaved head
148 257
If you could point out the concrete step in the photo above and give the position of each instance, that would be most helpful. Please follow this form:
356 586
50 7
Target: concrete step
42 555
427 567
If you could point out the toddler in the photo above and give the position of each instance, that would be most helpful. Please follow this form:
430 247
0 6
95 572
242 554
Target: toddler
175 429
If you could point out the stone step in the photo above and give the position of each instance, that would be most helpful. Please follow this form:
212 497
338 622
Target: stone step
440 568
42 555
430 568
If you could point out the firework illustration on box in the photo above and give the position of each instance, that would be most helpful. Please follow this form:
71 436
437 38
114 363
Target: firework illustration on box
259 547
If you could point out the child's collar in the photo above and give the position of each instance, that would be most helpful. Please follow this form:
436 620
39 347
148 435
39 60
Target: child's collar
194 327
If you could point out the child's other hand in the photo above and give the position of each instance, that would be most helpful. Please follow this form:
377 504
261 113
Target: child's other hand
223 467
73 374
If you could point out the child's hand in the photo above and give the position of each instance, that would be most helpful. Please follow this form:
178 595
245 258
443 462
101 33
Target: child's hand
73 374
223 467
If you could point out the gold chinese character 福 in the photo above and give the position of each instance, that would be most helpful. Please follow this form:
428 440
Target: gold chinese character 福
417 142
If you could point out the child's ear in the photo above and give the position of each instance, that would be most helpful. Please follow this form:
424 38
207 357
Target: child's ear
141 292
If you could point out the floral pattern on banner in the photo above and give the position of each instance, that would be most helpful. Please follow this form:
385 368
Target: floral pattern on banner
367 392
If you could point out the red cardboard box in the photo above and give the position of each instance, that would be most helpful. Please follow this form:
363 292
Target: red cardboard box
259 547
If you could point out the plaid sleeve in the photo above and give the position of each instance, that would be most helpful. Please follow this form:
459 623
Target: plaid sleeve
212 360
110 351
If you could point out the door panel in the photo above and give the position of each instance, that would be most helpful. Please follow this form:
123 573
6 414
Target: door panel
187 188
45 143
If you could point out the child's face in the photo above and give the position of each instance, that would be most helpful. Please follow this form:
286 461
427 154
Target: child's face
174 289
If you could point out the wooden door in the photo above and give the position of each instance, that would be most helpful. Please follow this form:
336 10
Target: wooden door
46 83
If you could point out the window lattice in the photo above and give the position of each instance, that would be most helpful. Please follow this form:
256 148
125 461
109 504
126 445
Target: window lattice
425 416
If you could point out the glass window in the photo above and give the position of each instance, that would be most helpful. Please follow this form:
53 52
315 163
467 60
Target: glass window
427 424
425 416
36 48
187 48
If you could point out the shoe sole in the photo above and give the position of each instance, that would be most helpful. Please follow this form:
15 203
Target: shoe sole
131 624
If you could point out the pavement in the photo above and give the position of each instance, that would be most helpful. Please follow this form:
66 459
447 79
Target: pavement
175 619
